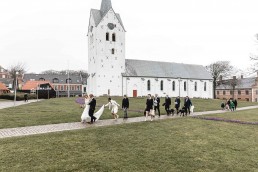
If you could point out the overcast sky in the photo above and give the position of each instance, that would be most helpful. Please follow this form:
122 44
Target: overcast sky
52 34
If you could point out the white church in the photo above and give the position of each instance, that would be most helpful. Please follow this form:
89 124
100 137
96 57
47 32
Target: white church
111 74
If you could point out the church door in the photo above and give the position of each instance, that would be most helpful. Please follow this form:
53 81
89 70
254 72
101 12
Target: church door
134 93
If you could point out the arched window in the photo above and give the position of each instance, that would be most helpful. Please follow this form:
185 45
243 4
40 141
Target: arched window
184 86
173 85
195 86
148 85
68 81
205 86
107 36
114 37
55 80
161 85
113 51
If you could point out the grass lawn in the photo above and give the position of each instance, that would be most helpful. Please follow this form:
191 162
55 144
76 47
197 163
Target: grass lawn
247 115
182 144
64 110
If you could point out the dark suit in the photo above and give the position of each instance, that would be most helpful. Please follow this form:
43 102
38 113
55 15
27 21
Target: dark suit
177 104
156 104
188 104
125 106
92 109
167 104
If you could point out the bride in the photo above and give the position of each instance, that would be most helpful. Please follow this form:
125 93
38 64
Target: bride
85 115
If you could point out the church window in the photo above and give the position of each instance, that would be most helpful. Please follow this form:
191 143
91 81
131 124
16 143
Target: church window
114 37
205 86
173 86
148 85
161 85
113 51
195 86
107 36
184 86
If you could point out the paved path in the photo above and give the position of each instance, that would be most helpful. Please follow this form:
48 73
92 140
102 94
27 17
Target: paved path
25 131
8 104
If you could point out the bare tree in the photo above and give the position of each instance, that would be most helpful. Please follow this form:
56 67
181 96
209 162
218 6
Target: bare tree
254 57
17 71
217 69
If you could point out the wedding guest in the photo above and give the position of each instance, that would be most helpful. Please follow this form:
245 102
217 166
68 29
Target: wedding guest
177 104
187 104
125 106
149 107
156 102
113 106
167 104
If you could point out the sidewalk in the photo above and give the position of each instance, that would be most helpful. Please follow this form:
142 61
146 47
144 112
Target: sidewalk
25 131
8 104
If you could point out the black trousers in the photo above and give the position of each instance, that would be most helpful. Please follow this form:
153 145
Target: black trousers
157 108
167 108
187 109
177 109
91 113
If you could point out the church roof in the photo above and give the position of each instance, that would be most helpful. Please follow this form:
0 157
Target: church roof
98 15
142 68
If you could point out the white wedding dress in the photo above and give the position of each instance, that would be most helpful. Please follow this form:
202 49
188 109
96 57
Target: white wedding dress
85 115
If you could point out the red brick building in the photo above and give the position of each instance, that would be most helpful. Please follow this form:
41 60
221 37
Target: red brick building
245 89
4 73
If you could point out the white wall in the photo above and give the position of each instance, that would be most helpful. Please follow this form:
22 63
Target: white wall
140 84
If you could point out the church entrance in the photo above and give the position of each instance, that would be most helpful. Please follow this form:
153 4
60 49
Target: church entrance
134 93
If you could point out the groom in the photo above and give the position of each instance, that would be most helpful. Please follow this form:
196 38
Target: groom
92 108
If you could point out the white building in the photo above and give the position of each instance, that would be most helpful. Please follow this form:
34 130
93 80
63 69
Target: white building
111 74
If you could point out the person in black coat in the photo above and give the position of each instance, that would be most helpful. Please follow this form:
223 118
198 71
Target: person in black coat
125 106
167 104
156 103
235 103
177 104
187 104
92 108
149 107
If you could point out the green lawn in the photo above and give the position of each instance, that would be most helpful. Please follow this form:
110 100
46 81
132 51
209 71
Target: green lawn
63 110
182 144
247 115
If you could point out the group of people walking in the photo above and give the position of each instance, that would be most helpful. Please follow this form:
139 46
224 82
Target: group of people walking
153 106
151 109
230 104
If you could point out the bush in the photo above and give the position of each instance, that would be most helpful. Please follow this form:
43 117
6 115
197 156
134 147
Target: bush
19 96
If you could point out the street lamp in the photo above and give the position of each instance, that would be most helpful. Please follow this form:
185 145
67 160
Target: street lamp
15 88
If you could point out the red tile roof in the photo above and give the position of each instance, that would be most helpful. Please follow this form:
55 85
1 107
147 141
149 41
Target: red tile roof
30 85
3 87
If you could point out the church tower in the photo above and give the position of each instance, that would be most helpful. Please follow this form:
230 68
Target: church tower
106 48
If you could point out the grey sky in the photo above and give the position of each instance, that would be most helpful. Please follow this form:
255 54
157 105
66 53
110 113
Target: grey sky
49 34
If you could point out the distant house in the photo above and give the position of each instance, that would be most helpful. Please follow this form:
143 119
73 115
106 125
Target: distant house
3 89
4 73
74 85
8 82
43 88
245 89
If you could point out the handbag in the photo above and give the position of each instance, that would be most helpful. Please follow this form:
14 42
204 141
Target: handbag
152 112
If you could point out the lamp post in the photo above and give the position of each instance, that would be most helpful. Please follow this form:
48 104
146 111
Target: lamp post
15 88
37 92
